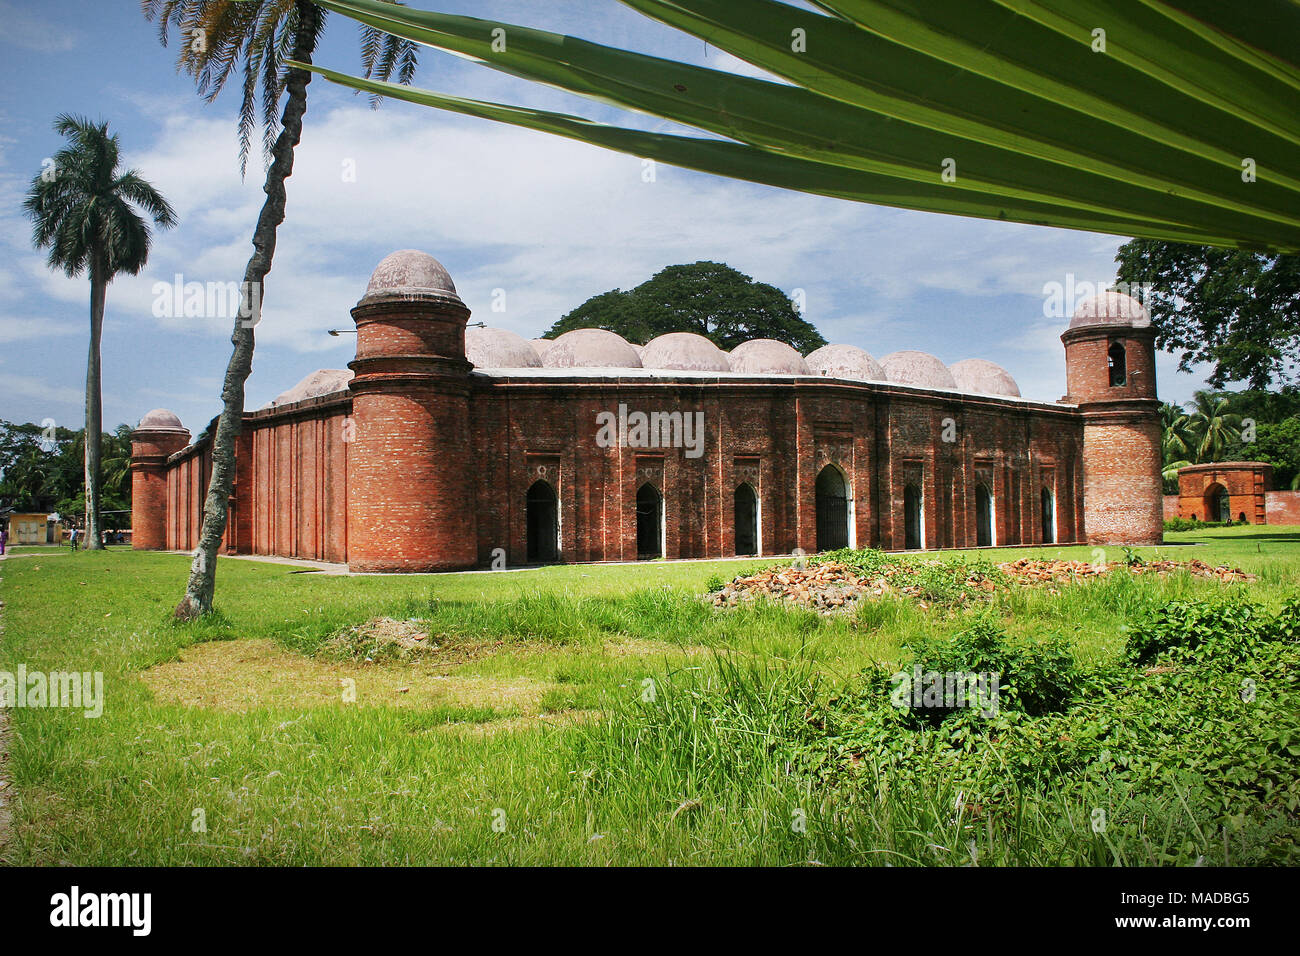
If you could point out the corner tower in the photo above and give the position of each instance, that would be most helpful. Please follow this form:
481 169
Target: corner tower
1110 367
410 494
159 435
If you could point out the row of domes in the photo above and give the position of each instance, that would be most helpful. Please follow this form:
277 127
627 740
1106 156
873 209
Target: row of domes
688 352
410 272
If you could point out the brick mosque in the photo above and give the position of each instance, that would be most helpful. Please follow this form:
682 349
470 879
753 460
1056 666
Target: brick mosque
451 447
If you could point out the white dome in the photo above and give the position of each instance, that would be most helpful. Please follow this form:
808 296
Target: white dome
590 348
161 419
759 356
324 381
1110 308
684 351
845 361
541 346
410 272
917 368
499 348
983 378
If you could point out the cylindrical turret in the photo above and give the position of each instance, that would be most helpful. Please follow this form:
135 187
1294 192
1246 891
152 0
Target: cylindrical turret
1111 375
410 491
159 435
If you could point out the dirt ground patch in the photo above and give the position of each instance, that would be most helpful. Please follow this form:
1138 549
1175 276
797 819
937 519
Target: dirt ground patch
239 676
386 639
640 647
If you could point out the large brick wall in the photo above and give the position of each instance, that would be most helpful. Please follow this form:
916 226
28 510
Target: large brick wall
292 480
777 436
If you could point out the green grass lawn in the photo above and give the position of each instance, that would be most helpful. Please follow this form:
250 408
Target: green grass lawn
570 715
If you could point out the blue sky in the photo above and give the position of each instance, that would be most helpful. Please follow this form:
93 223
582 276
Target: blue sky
548 221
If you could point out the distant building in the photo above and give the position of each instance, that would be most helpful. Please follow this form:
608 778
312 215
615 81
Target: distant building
1232 491
34 528
445 448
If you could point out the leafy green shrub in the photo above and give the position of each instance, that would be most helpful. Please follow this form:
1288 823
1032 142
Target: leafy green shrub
1186 524
1285 626
1034 678
716 582
1192 627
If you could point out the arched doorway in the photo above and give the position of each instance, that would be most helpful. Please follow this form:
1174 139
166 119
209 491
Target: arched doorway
543 523
1217 506
983 517
746 515
1049 516
832 510
912 518
649 522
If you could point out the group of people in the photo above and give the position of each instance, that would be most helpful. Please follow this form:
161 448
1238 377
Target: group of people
77 538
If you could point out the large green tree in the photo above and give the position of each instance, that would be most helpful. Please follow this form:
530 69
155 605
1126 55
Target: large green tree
87 212
708 298
251 38
41 469
1235 309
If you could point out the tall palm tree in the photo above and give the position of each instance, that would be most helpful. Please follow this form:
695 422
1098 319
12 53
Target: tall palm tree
253 37
87 212
1213 426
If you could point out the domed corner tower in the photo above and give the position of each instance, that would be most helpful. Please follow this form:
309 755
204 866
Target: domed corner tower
1110 367
410 465
159 435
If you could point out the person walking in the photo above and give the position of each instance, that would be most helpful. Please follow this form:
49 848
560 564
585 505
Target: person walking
72 539
4 539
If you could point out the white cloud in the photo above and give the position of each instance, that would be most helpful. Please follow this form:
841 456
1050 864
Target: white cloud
553 222
15 328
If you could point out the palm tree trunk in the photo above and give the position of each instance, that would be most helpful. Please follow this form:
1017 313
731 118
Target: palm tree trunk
201 587
94 400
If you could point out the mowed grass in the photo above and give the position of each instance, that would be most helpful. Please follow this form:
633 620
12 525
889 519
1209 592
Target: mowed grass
236 741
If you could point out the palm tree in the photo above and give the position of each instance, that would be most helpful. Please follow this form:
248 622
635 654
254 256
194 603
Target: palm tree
1213 427
253 36
86 211
1177 445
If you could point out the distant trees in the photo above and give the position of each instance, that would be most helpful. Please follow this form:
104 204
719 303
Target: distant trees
1234 426
43 470
708 298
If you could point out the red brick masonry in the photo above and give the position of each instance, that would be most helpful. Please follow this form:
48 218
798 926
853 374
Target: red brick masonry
426 464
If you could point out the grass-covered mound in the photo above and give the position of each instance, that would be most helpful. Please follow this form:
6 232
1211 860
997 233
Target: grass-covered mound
1183 750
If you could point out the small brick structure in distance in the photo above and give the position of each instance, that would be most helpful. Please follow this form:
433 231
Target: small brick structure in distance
1232 491
451 447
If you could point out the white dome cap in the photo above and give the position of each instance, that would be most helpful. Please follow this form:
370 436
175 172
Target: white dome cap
907 367
161 419
759 356
499 348
409 272
590 348
1110 308
684 351
983 378
845 361
323 381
